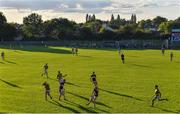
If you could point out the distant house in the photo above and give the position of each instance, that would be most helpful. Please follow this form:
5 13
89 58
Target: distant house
151 27
175 34
106 27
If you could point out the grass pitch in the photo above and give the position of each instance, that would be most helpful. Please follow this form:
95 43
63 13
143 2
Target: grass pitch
125 87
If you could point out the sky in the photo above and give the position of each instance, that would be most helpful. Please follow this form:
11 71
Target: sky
76 10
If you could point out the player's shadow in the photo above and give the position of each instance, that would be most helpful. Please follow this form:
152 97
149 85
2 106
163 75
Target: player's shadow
68 83
9 62
104 111
85 56
145 66
66 107
2 62
120 94
82 97
53 79
10 84
166 110
79 106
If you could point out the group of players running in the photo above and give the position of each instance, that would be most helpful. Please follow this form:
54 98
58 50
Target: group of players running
95 92
62 81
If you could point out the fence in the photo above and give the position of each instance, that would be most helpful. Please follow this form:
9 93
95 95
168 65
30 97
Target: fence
131 44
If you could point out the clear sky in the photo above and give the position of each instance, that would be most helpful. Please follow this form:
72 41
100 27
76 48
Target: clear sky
76 10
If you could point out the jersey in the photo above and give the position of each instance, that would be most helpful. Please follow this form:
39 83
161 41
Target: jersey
96 92
45 67
122 56
59 76
62 82
2 54
157 92
46 85
93 77
171 55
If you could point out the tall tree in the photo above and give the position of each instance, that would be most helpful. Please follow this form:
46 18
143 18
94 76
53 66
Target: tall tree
132 18
135 19
32 25
58 28
158 20
112 18
141 24
93 17
165 27
87 17
2 19
118 18
8 32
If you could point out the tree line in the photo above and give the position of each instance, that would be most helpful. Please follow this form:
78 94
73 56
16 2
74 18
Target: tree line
34 28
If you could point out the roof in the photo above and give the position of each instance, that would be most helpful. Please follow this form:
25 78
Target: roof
175 30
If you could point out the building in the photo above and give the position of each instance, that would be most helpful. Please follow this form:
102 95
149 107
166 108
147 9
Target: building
175 35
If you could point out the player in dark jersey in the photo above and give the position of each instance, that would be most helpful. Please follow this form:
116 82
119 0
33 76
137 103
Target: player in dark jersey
45 67
73 50
171 56
76 51
60 76
163 49
3 55
47 90
61 89
94 96
157 95
123 58
93 79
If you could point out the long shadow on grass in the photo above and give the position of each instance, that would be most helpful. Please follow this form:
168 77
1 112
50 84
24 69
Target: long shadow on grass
10 84
85 56
68 83
166 110
82 97
79 106
66 107
2 62
9 62
41 49
145 66
120 94
102 110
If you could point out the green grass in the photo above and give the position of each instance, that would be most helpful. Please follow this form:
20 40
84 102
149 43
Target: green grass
124 88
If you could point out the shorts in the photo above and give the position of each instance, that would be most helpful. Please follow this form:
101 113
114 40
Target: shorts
94 79
95 82
94 97
158 97
61 91
47 92
46 71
